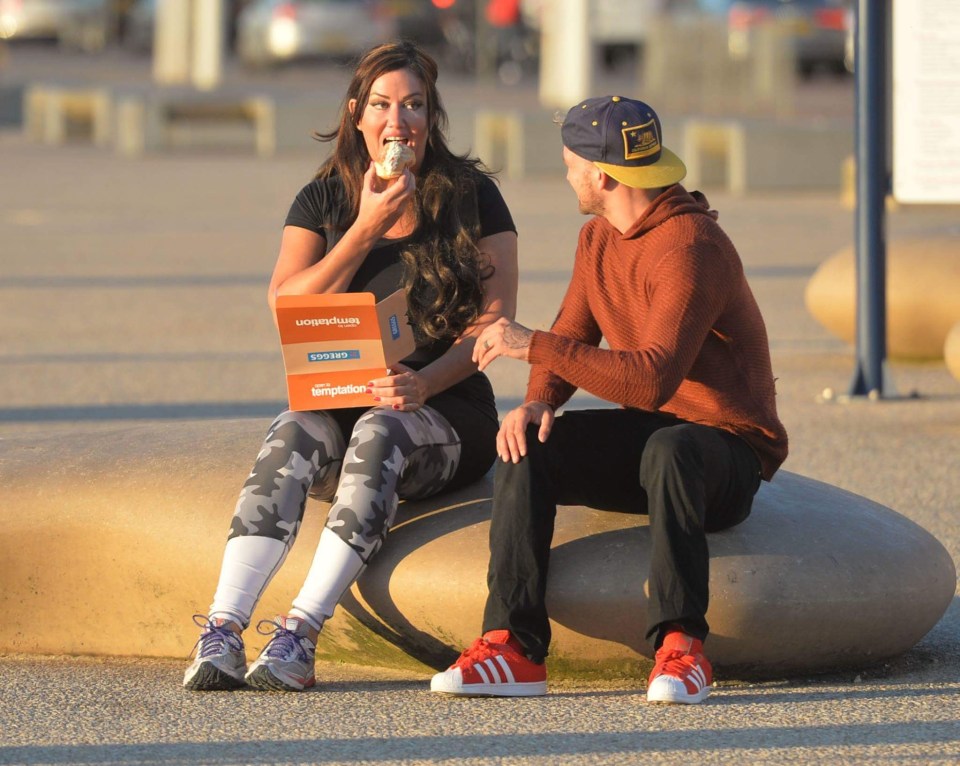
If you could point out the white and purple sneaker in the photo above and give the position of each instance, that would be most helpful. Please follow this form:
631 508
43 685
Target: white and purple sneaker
221 662
286 662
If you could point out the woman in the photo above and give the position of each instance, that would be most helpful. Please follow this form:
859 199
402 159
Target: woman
442 231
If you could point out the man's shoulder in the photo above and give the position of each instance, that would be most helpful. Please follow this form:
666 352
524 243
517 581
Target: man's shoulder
597 228
592 223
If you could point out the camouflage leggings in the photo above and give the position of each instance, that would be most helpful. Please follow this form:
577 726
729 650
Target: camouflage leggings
390 455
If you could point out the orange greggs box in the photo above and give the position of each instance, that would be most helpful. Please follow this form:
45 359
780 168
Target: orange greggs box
333 345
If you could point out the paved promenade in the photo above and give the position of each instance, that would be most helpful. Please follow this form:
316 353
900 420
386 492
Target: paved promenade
134 291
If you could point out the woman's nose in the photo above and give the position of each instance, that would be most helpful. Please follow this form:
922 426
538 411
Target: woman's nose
395 115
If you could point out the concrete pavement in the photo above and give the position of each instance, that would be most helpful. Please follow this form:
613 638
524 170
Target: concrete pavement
111 712
133 290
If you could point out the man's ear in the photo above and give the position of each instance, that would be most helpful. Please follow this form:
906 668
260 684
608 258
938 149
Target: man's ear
604 182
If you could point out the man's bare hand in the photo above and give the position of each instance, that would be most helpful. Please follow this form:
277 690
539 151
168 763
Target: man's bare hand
512 437
502 338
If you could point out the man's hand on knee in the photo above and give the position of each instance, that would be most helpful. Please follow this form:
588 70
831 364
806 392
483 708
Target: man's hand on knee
512 437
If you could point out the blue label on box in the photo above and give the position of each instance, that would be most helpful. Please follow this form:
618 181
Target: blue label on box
394 326
333 356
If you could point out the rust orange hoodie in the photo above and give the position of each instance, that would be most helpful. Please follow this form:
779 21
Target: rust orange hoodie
684 331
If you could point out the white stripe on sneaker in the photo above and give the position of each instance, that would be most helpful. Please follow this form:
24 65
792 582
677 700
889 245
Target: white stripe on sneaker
481 672
506 669
699 679
494 670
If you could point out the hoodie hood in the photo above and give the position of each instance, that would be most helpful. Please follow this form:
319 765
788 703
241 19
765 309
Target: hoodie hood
674 201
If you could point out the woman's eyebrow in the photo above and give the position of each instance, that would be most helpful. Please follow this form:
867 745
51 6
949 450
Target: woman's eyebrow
409 95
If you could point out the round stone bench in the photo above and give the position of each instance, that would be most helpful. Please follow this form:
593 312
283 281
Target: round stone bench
951 351
923 282
119 533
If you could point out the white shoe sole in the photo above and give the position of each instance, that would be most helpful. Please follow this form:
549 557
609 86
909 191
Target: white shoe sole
210 676
272 679
666 696
443 685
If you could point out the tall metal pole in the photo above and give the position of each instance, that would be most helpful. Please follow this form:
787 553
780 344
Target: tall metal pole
873 184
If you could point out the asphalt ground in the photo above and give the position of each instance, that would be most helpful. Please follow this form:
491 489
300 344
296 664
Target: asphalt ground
134 291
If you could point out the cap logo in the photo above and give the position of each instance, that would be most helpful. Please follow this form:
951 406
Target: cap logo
640 141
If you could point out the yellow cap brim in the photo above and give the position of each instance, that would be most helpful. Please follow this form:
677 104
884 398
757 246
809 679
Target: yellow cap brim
668 170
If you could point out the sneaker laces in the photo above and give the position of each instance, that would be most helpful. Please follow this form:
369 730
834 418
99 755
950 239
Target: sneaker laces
673 663
478 651
214 637
283 643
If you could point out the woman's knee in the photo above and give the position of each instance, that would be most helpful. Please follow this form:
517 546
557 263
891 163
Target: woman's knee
310 438
381 421
305 430
377 435
423 426
422 446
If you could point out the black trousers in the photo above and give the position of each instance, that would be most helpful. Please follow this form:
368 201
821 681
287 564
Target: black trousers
690 479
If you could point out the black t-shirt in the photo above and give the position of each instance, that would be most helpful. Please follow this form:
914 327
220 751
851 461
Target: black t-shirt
318 207
320 204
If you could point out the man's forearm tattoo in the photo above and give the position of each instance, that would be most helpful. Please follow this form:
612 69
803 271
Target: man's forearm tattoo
517 336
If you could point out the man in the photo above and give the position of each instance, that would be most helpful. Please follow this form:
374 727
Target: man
689 364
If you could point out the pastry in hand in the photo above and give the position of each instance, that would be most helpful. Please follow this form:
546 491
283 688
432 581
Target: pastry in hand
395 157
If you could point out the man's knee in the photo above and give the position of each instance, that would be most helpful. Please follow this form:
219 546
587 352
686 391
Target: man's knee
535 451
513 480
668 451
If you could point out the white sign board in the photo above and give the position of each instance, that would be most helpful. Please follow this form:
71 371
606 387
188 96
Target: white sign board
926 101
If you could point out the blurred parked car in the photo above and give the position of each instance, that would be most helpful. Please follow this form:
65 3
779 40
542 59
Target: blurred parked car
139 23
89 25
271 32
618 28
82 22
816 29
423 20
138 31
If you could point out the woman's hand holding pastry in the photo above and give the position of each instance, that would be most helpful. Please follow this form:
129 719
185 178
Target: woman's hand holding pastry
382 204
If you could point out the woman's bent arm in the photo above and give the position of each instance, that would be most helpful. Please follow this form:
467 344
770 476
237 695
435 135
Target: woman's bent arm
304 267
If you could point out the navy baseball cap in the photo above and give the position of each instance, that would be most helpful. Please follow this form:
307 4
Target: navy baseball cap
622 137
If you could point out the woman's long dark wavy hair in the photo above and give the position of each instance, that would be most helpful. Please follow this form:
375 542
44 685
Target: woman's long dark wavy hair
444 271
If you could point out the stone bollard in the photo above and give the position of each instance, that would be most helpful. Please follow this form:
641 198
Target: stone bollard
923 285
951 351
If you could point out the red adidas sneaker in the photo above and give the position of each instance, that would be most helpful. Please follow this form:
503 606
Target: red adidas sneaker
492 667
681 674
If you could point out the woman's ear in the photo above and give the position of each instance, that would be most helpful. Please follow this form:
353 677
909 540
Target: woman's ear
352 108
